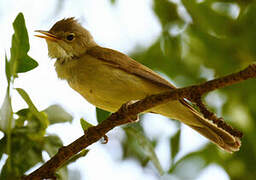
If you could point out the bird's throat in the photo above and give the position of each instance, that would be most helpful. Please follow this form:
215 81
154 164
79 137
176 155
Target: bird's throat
56 51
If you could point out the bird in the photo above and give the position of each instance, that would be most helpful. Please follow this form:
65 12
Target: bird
108 78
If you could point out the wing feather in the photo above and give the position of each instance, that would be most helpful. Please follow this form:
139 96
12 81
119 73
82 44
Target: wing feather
127 64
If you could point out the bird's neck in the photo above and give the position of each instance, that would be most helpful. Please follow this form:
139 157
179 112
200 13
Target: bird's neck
65 66
64 60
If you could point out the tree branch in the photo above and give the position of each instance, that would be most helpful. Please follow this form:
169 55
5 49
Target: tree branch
129 112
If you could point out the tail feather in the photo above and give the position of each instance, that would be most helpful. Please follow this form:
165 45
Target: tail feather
219 137
216 134
189 116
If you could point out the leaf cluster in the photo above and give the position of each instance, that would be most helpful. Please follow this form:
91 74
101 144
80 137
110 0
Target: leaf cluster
24 132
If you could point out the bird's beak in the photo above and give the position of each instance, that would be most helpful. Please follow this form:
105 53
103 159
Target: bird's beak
46 35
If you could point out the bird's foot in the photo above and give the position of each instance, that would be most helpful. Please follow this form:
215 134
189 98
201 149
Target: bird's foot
125 110
105 139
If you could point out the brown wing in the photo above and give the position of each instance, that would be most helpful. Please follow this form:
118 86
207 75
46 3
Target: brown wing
127 64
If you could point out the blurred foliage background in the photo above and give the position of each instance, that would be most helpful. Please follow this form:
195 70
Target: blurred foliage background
199 40
220 36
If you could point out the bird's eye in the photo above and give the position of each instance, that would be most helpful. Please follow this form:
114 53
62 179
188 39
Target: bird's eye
70 37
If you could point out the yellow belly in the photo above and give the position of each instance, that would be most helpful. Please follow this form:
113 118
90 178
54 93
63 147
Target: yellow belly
109 87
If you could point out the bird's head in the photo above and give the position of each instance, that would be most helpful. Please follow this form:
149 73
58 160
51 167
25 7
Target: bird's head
67 39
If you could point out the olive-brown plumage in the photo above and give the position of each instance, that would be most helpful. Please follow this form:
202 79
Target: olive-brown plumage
108 79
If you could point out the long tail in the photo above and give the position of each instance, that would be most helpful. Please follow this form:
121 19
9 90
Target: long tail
189 116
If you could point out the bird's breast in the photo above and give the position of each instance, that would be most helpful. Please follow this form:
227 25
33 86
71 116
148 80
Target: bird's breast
103 85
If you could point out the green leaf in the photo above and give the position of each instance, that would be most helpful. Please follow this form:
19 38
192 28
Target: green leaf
170 46
205 18
26 64
7 70
41 116
6 113
166 11
20 61
30 104
85 125
101 115
33 128
24 155
56 114
175 144
131 147
24 114
52 144
6 123
146 146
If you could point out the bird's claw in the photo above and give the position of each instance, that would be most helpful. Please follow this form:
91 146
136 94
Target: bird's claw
105 139
132 118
